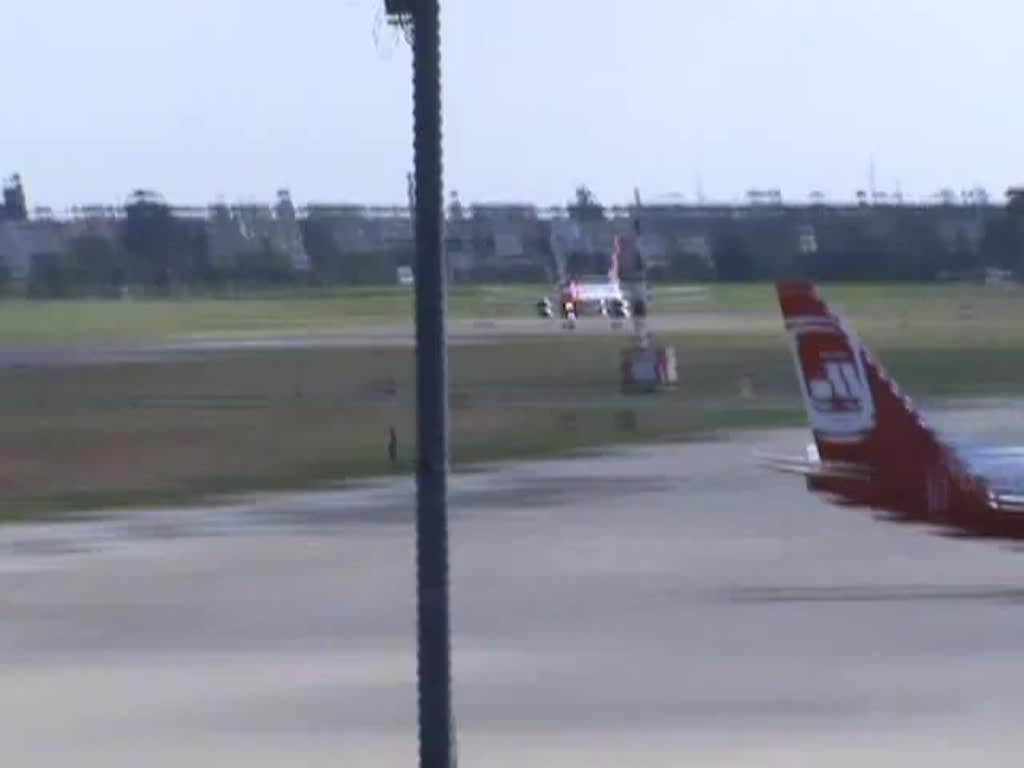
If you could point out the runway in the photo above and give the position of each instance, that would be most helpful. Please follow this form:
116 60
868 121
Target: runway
653 607
460 332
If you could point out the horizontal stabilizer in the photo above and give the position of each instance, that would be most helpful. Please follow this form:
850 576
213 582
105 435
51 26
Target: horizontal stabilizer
799 466
1006 502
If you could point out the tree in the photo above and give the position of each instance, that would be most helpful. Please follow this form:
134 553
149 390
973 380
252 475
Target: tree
98 263
326 261
1004 235
586 207
50 276
847 250
263 264
195 264
733 260
152 239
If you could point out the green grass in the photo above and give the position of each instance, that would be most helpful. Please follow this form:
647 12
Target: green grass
113 435
77 437
174 431
860 298
320 311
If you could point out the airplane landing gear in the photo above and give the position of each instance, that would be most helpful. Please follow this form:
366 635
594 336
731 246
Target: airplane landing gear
569 316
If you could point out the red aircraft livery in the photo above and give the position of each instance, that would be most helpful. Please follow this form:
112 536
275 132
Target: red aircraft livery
872 448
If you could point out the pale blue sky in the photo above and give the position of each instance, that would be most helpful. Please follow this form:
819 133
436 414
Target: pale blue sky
197 98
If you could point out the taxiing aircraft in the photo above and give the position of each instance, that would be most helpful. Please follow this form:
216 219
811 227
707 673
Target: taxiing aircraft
590 297
871 448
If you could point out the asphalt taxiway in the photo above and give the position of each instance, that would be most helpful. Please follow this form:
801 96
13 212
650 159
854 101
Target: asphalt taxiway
652 607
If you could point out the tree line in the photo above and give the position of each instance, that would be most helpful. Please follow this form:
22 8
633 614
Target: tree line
157 252
880 244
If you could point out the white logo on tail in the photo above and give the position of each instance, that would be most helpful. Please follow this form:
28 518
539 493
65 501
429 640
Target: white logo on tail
831 370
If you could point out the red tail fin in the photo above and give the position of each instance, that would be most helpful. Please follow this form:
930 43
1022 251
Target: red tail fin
613 267
856 412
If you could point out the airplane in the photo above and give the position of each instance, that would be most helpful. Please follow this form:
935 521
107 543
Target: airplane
605 297
871 447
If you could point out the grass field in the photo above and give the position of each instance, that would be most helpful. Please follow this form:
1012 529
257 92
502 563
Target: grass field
97 435
320 311
23 321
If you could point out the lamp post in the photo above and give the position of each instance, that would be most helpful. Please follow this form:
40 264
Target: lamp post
436 731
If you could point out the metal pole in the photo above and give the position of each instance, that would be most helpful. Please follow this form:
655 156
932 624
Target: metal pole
436 733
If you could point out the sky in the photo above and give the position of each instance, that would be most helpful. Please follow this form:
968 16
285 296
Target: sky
201 99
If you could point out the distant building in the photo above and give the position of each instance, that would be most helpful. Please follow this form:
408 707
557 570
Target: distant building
459 250
510 241
22 242
584 244
772 197
14 208
288 235
237 231
93 221
962 230
808 239
1015 198
224 237
496 239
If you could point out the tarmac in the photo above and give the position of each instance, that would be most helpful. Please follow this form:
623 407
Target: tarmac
460 332
665 606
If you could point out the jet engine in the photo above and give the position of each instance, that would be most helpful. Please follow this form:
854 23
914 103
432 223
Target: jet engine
618 308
